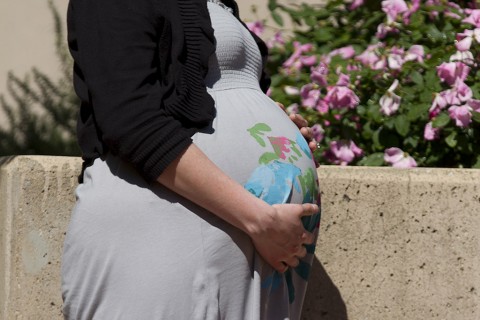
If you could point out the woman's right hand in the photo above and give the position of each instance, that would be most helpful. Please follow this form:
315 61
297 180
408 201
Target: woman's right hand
280 236
277 231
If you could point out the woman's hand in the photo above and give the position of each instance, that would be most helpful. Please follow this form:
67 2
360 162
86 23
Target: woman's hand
302 125
280 237
277 231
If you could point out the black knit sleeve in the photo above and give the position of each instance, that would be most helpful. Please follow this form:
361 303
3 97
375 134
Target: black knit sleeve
115 48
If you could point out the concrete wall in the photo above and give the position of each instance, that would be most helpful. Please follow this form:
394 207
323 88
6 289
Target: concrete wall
394 244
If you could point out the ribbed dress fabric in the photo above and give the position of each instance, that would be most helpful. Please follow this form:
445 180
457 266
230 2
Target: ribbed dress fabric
135 250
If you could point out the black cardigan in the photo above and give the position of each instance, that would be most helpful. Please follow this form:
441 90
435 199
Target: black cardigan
139 68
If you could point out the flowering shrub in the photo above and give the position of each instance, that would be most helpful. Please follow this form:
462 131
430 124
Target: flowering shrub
384 82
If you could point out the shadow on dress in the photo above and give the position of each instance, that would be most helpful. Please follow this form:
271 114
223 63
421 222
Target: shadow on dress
323 300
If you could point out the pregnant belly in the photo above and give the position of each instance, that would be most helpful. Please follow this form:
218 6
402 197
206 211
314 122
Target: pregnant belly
256 143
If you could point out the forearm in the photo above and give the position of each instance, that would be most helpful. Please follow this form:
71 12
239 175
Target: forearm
197 178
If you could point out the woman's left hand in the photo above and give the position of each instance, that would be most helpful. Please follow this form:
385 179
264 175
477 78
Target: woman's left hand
302 125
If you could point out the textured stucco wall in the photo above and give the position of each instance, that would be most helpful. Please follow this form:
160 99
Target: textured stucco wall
394 244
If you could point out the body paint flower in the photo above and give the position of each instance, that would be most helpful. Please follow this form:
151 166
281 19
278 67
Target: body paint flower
390 102
399 159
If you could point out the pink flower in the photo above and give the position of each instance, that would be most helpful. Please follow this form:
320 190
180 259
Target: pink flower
343 152
297 60
411 10
293 108
384 29
309 95
399 159
473 18
465 39
430 133
462 91
394 7
370 56
461 114
345 52
291 90
319 74
449 72
355 4
439 103
318 132
276 40
256 27
390 102
340 96
415 53
462 56
474 104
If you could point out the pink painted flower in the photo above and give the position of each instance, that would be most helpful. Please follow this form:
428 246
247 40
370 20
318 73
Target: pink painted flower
319 74
355 4
341 96
343 152
256 27
473 18
318 132
461 114
415 53
399 159
430 133
393 8
449 72
390 102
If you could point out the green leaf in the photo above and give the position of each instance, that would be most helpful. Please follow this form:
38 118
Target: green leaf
277 18
373 160
441 120
451 140
476 116
412 141
402 125
267 157
417 78
476 165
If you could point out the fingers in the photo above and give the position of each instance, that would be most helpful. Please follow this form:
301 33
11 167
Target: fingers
281 105
299 121
309 209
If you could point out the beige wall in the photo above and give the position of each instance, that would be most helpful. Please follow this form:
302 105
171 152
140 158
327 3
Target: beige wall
394 244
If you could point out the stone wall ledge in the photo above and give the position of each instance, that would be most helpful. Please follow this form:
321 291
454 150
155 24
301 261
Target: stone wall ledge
394 244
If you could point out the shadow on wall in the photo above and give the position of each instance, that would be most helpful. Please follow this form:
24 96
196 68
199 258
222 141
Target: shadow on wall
323 300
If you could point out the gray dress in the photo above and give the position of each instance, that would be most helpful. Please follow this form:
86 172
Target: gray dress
135 250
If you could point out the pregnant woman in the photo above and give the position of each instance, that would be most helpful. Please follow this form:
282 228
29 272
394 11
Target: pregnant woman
198 193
